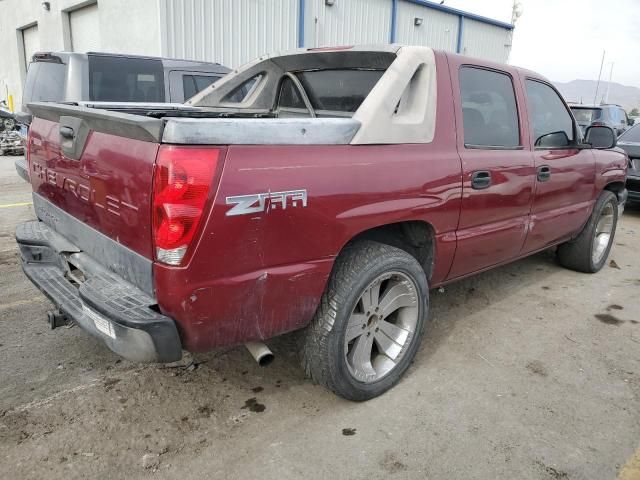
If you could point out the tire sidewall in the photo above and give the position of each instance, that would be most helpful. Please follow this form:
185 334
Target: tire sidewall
403 263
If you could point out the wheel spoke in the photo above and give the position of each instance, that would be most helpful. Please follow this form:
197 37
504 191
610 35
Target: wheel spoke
396 297
394 332
388 345
370 297
354 327
360 356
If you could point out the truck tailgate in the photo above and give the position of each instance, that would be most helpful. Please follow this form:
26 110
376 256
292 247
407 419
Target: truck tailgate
96 166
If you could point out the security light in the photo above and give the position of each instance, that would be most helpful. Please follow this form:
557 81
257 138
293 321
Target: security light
417 21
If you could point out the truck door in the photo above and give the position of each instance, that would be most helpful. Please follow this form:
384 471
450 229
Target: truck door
497 167
565 174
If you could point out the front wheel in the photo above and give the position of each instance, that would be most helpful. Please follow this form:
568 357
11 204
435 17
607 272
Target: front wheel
588 252
370 321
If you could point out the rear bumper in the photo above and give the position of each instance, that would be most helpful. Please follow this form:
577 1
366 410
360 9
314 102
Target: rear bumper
96 299
21 169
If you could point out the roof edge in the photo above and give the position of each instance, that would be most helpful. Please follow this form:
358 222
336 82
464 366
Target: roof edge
462 13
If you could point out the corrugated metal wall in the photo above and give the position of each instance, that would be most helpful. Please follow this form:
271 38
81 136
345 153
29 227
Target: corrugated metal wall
485 41
230 32
438 30
233 32
347 22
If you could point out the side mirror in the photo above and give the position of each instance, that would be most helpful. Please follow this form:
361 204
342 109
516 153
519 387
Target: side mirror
630 122
553 139
600 137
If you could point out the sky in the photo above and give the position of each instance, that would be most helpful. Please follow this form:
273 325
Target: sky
564 39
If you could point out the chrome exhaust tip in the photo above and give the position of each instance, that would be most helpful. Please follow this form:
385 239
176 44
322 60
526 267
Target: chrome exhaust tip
260 352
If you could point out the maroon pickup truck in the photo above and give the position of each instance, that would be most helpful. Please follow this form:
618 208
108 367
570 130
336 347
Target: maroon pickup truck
326 190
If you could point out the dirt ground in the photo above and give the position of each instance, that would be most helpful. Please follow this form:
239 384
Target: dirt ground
529 371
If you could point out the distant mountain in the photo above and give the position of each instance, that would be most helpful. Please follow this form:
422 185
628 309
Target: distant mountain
583 91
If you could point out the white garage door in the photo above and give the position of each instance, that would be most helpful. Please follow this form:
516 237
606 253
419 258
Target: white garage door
85 29
31 42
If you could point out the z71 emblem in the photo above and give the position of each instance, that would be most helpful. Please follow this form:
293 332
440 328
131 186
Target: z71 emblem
259 202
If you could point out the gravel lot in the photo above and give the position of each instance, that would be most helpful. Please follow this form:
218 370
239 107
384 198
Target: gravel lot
527 372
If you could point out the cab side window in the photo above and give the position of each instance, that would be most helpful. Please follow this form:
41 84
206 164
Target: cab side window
623 117
551 121
489 111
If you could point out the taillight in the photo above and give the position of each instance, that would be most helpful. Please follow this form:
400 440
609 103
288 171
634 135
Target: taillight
26 144
181 187
598 124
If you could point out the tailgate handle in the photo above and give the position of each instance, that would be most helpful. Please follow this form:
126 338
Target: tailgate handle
74 132
67 132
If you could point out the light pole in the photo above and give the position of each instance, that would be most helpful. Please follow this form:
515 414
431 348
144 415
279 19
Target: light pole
595 97
606 96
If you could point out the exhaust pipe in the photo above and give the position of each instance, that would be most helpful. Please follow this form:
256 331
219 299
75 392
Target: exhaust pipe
260 352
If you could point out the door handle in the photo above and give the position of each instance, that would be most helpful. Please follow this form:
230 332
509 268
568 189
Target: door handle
67 132
481 180
544 173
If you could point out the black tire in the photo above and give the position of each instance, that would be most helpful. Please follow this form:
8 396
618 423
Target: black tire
577 254
323 345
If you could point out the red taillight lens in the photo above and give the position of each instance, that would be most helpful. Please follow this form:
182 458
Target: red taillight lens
598 124
180 190
26 143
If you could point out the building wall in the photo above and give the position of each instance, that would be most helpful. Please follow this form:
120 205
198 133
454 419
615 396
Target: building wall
230 32
347 22
129 26
485 41
438 30
233 32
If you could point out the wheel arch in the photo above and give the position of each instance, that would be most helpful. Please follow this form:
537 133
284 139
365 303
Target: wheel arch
617 187
416 237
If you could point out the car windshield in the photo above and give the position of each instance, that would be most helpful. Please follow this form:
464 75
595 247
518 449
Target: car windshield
631 135
586 115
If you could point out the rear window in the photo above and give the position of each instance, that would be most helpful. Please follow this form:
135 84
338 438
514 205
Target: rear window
118 79
631 135
586 115
338 90
193 84
45 82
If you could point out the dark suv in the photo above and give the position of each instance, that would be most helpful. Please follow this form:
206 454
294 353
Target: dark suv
629 141
122 82
106 77
606 115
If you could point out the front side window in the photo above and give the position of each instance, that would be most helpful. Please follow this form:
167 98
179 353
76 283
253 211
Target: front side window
623 116
552 123
490 114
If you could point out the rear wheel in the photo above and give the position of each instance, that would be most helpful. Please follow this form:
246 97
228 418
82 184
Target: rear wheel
369 324
588 252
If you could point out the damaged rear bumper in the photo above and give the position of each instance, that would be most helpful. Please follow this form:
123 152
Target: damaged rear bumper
102 303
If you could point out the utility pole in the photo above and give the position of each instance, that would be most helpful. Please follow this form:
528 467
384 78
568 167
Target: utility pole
606 97
595 97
